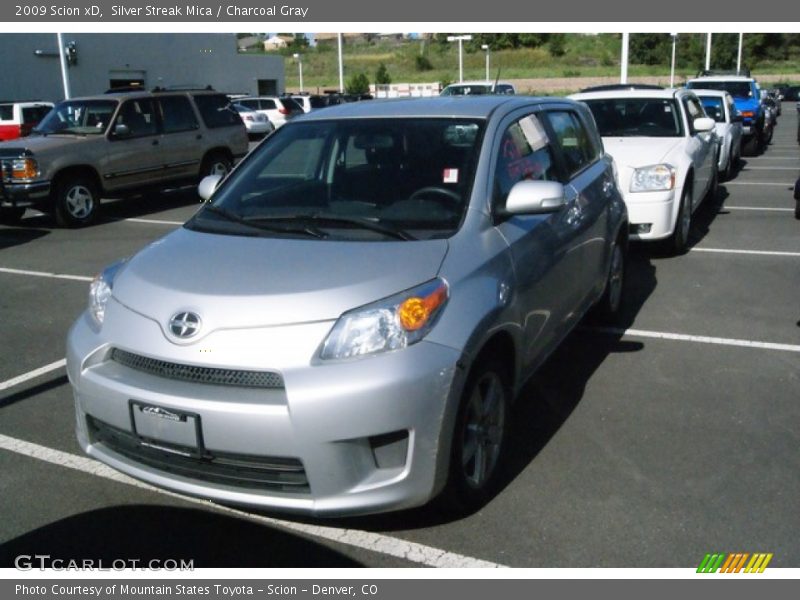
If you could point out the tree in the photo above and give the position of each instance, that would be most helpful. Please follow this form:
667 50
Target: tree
382 76
357 84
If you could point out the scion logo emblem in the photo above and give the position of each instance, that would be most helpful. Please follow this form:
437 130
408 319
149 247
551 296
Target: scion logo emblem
184 325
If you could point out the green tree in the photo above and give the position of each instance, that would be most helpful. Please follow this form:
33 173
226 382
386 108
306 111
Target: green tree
357 84
382 75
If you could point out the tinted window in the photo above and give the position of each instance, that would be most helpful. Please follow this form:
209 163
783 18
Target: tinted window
216 111
292 105
85 117
714 108
624 117
573 140
318 102
139 116
251 104
6 112
34 114
737 89
177 114
524 154
266 104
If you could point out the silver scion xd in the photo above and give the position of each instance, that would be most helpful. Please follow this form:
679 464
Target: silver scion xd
342 327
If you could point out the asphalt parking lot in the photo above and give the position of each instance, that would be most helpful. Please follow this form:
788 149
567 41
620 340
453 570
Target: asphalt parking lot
649 444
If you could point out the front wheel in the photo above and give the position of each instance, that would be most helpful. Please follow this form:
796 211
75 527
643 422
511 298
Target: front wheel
678 242
77 202
610 304
479 437
216 164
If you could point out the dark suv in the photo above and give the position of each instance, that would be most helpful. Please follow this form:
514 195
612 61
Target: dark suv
117 144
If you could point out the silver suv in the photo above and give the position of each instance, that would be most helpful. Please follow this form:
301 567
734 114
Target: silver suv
343 326
116 144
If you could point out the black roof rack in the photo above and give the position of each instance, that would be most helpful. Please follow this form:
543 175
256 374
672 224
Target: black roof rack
622 86
183 88
743 72
126 89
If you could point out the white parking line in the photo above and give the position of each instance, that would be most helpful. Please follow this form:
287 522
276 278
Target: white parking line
766 183
769 169
32 374
154 221
726 207
45 274
374 542
773 158
753 252
699 339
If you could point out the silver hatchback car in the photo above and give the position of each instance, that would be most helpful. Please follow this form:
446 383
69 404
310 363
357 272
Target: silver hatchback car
342 326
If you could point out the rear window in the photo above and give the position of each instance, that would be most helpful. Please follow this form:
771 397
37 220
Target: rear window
34 114
318 102
737 89
292 104
6 112
217 111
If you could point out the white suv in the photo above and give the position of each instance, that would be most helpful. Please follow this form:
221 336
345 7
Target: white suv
279 109
665 150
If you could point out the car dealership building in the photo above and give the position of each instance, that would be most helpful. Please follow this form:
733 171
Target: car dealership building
98 62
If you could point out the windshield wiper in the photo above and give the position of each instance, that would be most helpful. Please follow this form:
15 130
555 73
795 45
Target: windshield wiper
360 222
264 226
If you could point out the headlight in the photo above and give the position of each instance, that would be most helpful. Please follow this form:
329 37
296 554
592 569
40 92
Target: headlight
389 324
100 291
24 168
653 178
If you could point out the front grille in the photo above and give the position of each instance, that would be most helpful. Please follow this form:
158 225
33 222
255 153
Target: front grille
277 474
196 374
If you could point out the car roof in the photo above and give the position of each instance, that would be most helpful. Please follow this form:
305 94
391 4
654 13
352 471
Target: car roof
478 82
146 94
721 78
477 107
603 95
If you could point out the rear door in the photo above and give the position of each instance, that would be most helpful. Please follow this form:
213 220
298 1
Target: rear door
181 138
591 185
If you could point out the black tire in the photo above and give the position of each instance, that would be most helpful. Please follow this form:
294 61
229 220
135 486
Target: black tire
216 163
611 302
678 242
713 188
797 209
752 146
11 216
479 437
77 201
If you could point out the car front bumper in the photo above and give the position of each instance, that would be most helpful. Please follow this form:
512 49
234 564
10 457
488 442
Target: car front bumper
653 209
365 435
23 195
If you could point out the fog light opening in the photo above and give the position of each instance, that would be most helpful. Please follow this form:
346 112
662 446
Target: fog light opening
640 228
390 450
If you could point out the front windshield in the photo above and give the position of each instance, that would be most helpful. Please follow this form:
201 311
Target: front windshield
353 179
713 107
83 117
737 89
630 117
467 90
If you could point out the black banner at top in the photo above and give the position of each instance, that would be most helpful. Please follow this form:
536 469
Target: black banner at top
783 14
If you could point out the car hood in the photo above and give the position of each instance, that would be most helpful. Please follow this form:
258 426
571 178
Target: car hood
38 144
637 152
235 282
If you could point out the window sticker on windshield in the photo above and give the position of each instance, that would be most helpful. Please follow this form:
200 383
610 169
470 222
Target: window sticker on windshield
450 176
533 132
667 108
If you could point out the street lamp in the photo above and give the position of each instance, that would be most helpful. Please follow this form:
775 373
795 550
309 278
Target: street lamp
299 58
460 39
672 68
486 48
708 52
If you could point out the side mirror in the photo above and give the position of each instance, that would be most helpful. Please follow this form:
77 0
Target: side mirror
207 186
535 197
703 124
121 130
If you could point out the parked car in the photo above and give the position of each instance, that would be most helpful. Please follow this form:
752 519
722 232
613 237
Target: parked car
278 109
117 144
719 106
375 286
777 99
474 88
665 150
256 123
17 119
797 199
747 97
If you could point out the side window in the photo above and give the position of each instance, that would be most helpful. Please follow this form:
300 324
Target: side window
216 111
6 112
139 116
693 111
177 114
251 104
524 154
267 104
572 139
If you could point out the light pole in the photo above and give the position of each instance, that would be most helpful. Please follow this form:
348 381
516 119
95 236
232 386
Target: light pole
460 39
708 52
299 58
63 61
623 69
485 47
672 67
739 55
341 67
